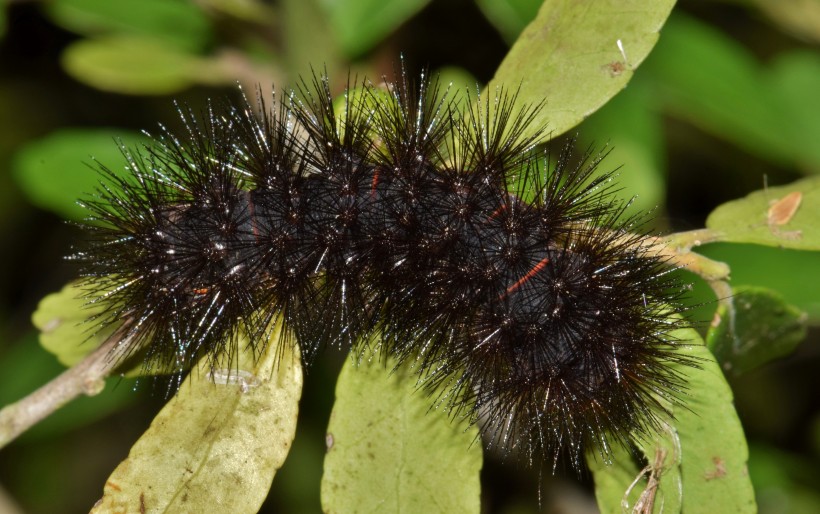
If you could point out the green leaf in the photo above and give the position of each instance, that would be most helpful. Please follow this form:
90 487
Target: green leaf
699 458
714 454
509 16
66 331
216 446
709 79
177 22
795 80
137 65
569 58
389 452
621 485
775 269
456 78
762 328
360 24
763 217
613 480
634 132
706 77
57 170
310 40
258 12
661 453
62 319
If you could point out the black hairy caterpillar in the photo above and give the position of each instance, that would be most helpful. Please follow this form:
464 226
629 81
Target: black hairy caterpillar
392 220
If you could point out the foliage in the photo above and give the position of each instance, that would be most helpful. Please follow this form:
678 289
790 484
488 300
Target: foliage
757 116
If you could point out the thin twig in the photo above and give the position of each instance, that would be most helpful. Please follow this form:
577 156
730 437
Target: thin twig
86 377
677 248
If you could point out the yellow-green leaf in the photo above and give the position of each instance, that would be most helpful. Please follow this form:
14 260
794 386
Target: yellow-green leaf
786 216
714 454
622 487
696 462
614 479
575 56
216 446
359 24
389 452
137 65
62 318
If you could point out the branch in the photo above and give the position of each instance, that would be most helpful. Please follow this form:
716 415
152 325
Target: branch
677 248
86 377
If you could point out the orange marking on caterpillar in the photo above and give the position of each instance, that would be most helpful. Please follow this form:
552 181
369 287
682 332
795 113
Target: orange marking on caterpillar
498 211
531 273
374 183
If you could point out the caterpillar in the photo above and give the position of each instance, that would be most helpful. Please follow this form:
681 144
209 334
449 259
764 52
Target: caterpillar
445 235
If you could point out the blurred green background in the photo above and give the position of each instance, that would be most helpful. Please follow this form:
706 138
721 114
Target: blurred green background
728 100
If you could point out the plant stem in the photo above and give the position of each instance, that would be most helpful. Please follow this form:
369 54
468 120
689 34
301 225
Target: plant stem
86 377
685 241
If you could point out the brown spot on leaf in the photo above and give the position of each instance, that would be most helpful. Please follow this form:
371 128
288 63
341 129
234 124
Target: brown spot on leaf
615 68
781 212
719 471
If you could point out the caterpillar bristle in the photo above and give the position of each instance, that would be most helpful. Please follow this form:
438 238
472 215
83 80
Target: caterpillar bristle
425 223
